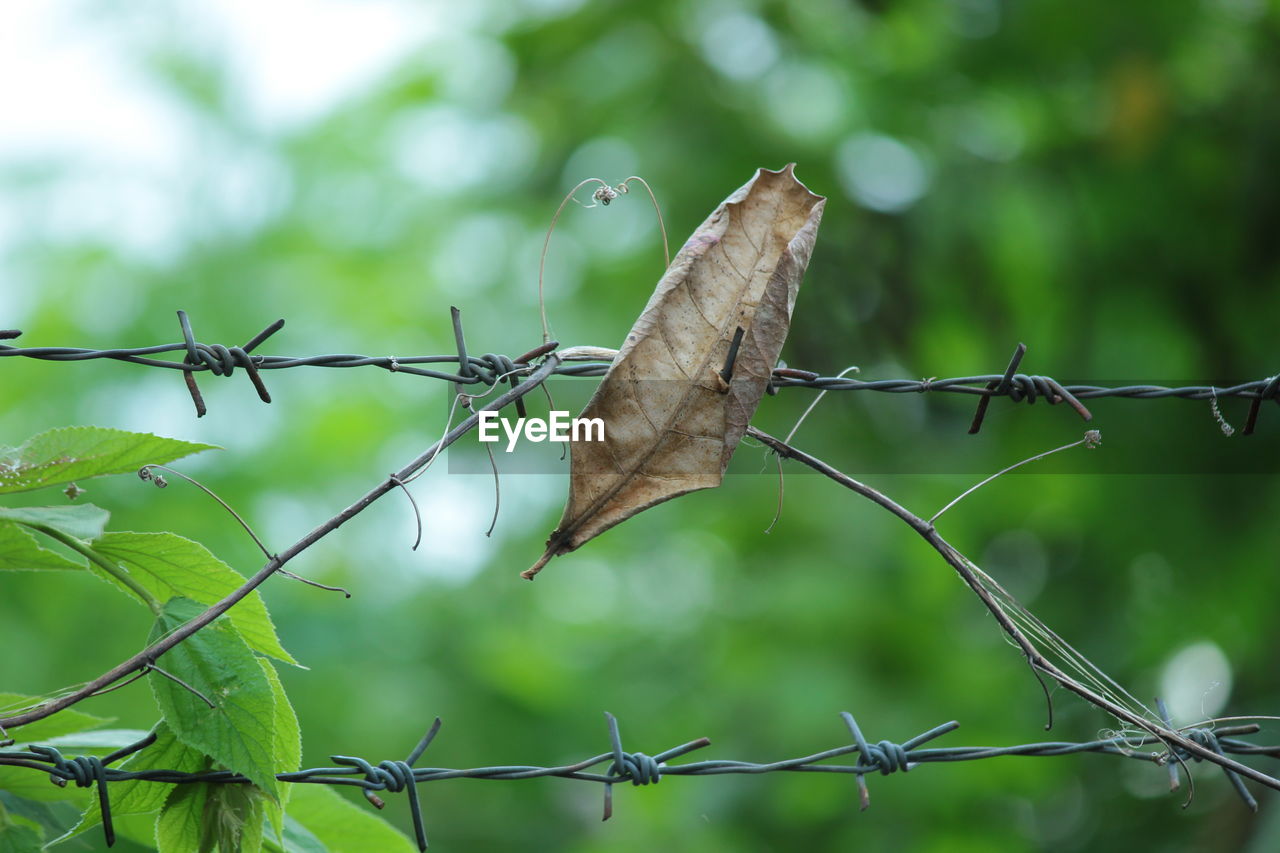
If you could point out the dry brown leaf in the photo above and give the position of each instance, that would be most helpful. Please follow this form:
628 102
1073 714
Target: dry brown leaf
671 423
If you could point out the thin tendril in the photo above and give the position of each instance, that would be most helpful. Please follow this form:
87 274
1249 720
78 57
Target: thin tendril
542 261
666 250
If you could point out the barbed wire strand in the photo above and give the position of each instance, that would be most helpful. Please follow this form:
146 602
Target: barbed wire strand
1018 387
147 657
999 604
638 768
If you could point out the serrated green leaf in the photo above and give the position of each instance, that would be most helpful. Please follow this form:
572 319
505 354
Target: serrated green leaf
208 817
178 826
167 753
82 521
78 453
288 745
168 565
342 826
239 731
19 551
253 824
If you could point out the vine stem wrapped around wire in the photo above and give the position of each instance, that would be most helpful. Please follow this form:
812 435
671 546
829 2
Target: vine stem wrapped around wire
148 656
969 573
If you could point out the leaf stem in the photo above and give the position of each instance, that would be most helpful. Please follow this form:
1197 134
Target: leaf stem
148 656
1091 439
123 577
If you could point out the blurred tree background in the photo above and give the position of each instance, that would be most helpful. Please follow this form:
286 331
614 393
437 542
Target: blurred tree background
1096 179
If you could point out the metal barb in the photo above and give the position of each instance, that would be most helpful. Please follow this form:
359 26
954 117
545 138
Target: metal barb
1010 384
726 373
1271 391
219 360
464 363
884 757
999 388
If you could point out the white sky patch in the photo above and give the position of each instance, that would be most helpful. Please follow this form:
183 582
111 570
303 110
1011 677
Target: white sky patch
456 510
566 261
1196 682
881 173
156 401
298 59
739 45
472 256
609 158
108 155
66 89
72 100
444 148
807 100
472 70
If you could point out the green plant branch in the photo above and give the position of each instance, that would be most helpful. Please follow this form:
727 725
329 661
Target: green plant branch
149 655
1034 656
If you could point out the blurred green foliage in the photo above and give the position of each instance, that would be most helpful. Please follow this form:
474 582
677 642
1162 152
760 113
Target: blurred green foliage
1095 179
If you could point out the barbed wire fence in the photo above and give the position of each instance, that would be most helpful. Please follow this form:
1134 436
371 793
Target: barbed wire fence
491 368
638 768
522 374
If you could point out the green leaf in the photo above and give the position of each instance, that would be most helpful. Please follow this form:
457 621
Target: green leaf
239 731
18 834
34 785
82 521
52 818
127 798
168 565
179 823
288 744
78 453
107 740
19 551
64 722
298 839
207 817
341 825
28 783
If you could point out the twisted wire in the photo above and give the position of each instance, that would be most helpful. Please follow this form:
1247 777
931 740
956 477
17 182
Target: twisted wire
490 368
884 757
